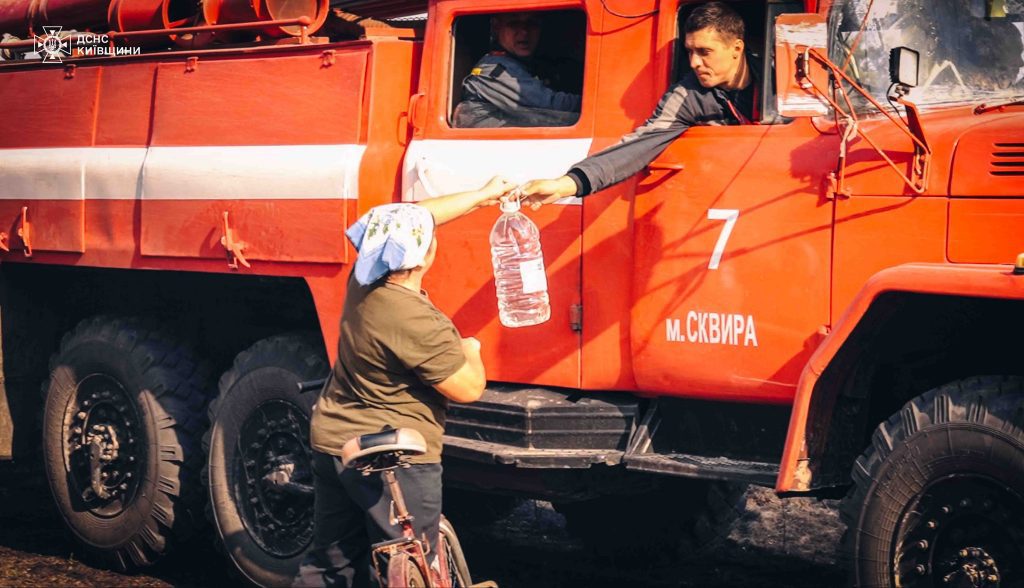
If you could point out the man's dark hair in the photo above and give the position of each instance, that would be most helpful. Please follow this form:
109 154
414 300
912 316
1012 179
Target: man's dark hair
718 16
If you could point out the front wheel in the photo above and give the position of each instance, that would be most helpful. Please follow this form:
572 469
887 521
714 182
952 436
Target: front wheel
938 498
453 565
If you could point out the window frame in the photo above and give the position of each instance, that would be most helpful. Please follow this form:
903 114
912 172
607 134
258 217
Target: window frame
440 97
768 95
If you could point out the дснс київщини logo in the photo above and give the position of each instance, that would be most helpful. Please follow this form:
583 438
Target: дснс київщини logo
51 46
54 47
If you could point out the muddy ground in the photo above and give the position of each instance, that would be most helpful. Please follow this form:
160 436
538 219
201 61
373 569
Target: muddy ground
775 543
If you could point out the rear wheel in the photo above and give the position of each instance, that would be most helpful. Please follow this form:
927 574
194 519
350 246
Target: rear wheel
938 498
121 438
259 475
404 573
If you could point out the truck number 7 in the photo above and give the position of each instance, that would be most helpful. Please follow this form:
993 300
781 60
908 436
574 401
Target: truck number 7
729 215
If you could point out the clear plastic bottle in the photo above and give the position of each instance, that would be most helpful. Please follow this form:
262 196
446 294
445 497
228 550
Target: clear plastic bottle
519 274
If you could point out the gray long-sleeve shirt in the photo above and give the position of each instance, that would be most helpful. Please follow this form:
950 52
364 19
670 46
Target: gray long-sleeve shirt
684 105
501 91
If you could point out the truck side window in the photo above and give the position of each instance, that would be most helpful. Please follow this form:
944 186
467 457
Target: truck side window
518 69
759 22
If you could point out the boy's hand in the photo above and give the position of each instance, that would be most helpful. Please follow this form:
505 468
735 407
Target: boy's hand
497 187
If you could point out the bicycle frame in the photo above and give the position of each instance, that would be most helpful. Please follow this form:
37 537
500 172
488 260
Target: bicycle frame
384 551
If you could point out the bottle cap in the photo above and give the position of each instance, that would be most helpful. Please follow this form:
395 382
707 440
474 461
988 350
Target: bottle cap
511 205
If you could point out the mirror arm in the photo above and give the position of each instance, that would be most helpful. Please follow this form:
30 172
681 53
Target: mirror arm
922 152
814 54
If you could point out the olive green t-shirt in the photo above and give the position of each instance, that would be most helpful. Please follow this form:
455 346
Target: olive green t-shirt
393 347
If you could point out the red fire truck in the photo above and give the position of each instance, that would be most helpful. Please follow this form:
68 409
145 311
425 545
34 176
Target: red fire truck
828 302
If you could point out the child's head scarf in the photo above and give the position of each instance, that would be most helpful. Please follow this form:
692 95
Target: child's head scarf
389 238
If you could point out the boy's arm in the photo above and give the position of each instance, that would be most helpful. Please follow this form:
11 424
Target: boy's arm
452 206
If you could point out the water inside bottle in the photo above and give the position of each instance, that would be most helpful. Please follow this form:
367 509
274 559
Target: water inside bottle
519 275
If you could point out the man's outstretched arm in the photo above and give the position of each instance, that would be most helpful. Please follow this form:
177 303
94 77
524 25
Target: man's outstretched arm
622 160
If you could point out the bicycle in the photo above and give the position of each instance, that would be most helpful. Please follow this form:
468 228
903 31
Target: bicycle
402 562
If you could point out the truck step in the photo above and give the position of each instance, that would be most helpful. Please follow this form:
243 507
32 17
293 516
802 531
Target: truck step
706 468
525 457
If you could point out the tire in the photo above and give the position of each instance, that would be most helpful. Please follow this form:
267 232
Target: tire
681 519
260 427
939 494
125 380
454 564
404 573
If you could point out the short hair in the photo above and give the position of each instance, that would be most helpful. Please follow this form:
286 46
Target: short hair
718 16
502 17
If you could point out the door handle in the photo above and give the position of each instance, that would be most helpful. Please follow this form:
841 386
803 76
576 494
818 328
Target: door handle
659 165
421 177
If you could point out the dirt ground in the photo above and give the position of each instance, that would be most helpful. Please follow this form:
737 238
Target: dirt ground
776 543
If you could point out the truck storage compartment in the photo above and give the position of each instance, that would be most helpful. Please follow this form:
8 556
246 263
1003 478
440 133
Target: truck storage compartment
534 426
44 157
265 148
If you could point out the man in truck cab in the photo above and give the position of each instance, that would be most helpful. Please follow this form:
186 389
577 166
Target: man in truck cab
720 89
507 87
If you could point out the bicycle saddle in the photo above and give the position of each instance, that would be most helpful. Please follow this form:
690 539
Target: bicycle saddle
361 450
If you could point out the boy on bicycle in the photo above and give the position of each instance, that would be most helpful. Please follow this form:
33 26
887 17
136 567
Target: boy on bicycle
400 360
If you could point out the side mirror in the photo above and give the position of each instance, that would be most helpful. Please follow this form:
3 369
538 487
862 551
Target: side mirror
904 65
795 35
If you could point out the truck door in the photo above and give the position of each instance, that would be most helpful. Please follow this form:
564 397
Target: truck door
443 158
732 246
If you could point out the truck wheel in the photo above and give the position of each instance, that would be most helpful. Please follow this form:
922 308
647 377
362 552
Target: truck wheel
681 519
938 498
259 476
121 439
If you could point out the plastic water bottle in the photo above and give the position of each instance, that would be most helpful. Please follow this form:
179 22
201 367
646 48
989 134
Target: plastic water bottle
519 269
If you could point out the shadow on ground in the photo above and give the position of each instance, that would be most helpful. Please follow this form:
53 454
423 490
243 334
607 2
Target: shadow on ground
776 543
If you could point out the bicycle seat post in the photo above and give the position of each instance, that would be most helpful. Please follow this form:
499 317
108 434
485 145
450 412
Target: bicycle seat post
402 516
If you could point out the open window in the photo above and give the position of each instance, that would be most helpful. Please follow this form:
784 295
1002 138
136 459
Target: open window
759 22
517 69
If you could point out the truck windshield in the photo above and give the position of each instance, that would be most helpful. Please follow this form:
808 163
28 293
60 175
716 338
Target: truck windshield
966 55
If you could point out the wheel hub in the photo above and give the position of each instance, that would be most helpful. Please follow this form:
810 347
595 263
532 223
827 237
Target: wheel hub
275 483
963 532
101 445
974 569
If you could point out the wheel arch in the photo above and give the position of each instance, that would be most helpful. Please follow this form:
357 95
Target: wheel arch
911 328
224 313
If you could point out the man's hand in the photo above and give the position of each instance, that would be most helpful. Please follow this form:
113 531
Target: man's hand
538 192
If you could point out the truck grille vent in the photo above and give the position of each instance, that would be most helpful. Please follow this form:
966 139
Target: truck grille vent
1008 160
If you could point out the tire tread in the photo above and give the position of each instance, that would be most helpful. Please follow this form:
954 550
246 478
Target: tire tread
179 385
